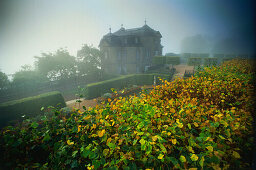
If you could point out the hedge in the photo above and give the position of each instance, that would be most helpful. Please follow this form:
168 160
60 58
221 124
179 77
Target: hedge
30 106
193 61
98 89
158 60
210 61
174 60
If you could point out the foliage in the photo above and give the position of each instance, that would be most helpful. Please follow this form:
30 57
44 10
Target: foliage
201 122
30 106
27 78
56 66
4 81
89 60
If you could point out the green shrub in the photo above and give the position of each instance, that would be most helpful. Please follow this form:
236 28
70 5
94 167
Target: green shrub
175 60
158 60
98 89
194 61
210 61
30 106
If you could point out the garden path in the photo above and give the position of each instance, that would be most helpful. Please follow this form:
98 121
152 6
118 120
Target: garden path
180 70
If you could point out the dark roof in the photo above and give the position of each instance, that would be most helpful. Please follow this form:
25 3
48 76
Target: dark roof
145 30
114 38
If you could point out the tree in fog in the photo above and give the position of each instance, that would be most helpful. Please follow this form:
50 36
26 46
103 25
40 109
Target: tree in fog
26 77
89 61
56 66
4 81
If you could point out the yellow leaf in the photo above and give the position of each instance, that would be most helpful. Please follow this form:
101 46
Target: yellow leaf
182 158
79 111
154 138
113 123
180 125
196 125
87 117
101 133
107 117
70 143
160 156
210 148
78 128
172 110
192 169
93 126
236 155
174 141
109 140
194 157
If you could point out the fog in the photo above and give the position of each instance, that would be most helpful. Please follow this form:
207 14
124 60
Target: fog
31 27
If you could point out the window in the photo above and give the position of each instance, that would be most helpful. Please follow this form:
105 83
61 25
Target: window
125 40
136 40
156 53
106 55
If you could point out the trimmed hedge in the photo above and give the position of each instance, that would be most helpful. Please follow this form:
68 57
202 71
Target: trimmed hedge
210 61
30 106
158 60
174 60
194 61
161 60
98 89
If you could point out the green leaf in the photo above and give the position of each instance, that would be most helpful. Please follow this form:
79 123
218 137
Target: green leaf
163 148
201 162
182 158
105 152
34 125
174 161
149 149
142 141
85 153
189 125
160 156
96 164
47 137
74 154
135 141
42 108
111 145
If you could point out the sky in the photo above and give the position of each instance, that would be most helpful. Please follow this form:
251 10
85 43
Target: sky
31 27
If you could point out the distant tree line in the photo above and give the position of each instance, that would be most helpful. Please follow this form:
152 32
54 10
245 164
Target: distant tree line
59 68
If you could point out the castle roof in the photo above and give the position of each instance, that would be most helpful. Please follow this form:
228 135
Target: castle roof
115 39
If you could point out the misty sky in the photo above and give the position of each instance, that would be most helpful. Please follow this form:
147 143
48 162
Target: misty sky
30 27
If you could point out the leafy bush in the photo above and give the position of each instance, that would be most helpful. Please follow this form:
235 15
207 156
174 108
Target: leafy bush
29 106
201 122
